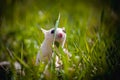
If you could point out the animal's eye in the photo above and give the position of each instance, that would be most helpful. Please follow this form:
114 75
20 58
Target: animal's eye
52 31
64 31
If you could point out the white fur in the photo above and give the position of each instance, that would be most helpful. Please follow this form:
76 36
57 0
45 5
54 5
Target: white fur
45 52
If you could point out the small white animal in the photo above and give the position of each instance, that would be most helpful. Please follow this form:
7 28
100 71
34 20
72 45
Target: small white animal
46 51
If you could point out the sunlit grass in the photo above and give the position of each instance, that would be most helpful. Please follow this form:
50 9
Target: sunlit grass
86 41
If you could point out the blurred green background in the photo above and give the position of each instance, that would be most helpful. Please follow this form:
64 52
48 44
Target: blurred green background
92 28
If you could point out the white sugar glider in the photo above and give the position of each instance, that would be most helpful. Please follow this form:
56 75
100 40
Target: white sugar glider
46 51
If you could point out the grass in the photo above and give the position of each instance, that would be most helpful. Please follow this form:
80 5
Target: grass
88 38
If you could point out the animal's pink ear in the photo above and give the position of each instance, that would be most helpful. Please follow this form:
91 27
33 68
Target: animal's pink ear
43 30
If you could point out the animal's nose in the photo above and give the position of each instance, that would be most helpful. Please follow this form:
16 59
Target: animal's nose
60 35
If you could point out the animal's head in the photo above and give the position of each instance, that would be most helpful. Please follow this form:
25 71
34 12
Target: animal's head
60 35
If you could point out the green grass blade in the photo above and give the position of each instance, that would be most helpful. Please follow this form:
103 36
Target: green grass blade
56 26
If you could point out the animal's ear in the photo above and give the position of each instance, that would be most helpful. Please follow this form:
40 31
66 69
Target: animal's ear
43 30
63 28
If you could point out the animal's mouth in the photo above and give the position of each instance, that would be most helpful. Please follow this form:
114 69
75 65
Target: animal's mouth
57 44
